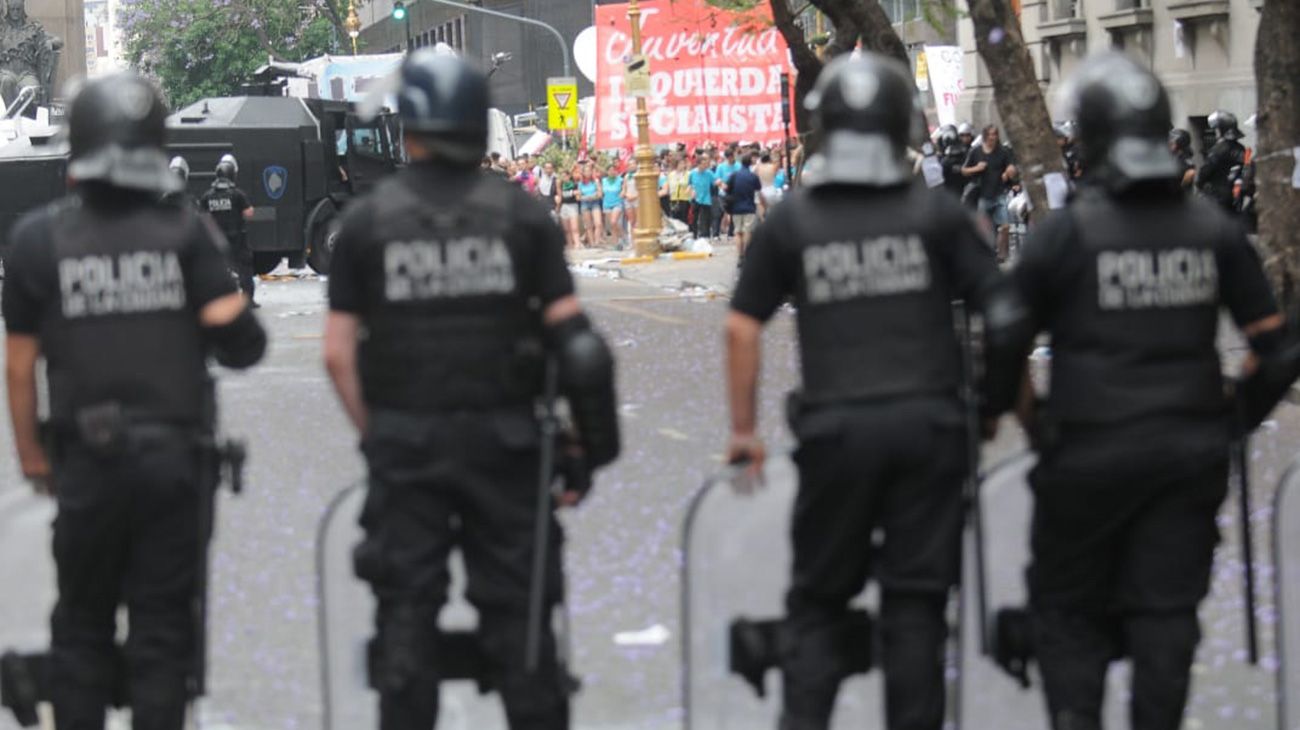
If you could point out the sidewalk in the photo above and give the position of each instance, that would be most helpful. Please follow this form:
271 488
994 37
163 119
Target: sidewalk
715 273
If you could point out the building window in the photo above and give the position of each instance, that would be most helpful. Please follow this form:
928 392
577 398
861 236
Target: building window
902 11
1066 9
1132 4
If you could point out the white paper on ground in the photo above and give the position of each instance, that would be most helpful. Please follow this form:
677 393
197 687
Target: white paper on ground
654 636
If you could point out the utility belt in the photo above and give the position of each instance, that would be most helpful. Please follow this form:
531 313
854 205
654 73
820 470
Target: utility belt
108 430
799 404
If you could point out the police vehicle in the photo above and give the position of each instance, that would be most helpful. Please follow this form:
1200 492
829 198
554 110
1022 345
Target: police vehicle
300 161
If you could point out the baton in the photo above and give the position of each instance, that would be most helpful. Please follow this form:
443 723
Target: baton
1241 449
974 512
542 528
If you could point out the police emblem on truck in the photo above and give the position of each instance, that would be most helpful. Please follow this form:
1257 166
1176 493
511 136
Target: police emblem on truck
275 179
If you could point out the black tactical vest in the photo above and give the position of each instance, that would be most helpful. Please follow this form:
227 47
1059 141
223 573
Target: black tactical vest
1227 155
1135 327
120 326
220 203
875 309
454 327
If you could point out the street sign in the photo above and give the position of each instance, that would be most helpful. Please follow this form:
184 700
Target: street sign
922 71
637 78
562 103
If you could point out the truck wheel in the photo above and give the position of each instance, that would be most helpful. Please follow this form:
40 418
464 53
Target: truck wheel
320 249
265 263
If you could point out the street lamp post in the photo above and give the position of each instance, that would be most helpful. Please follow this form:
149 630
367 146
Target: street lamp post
649 219
353 25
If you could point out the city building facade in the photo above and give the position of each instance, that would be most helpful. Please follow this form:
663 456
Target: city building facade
103 41
64 19
1203 50
518 84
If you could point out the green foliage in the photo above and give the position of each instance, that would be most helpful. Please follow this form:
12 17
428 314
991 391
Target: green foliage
202 48
940 14
562 158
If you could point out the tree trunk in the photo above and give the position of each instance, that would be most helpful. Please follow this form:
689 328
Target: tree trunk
852 20
1017 94
806 63
1277 75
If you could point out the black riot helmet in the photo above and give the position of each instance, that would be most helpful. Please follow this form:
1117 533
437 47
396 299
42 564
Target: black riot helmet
947 135
1122 122
1224 125
117 125
227 169
444 102
864 107
1180 141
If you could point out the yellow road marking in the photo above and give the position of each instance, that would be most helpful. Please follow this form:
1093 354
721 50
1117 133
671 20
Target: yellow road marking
629 309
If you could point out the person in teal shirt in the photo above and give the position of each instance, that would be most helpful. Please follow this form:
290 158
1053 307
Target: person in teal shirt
589 203
723 173
611 184
703 182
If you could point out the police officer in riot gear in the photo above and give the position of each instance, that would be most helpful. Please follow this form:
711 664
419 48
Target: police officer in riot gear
1064 132
1133 438
953 155
124 298
1180 144
180 167
458 281
1223 162
230 208
873 264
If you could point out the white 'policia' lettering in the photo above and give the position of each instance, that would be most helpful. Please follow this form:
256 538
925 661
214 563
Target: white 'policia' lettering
1180 277
130 283
459 267
882 266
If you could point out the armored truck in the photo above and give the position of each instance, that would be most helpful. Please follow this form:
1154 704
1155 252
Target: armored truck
300 161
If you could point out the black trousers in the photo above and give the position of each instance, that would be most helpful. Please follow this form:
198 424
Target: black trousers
1122 553
438 482
703 216
896 467
127 532
242 267
681 210
241 263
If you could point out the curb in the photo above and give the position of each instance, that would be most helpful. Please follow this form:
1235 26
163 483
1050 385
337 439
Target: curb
674 256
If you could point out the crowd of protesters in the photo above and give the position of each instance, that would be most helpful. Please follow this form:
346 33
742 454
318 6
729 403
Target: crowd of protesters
720 192
717 191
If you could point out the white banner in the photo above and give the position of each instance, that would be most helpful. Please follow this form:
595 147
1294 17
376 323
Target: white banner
946 81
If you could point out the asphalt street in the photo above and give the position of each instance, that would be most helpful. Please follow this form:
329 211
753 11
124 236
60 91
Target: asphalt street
624 544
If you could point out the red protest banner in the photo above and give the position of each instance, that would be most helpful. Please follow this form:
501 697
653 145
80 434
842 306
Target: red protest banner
715 74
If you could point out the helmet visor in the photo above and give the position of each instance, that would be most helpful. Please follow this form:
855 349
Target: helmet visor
857 158
1139 158
133 168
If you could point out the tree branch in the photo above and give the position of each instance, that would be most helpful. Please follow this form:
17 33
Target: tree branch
806 63
1018 96
869 21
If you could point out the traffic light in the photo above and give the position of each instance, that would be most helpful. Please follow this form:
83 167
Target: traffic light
399 11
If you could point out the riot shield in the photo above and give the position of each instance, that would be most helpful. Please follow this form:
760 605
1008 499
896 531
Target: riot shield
1286 554
1227 693
736 566
346 623
27 563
